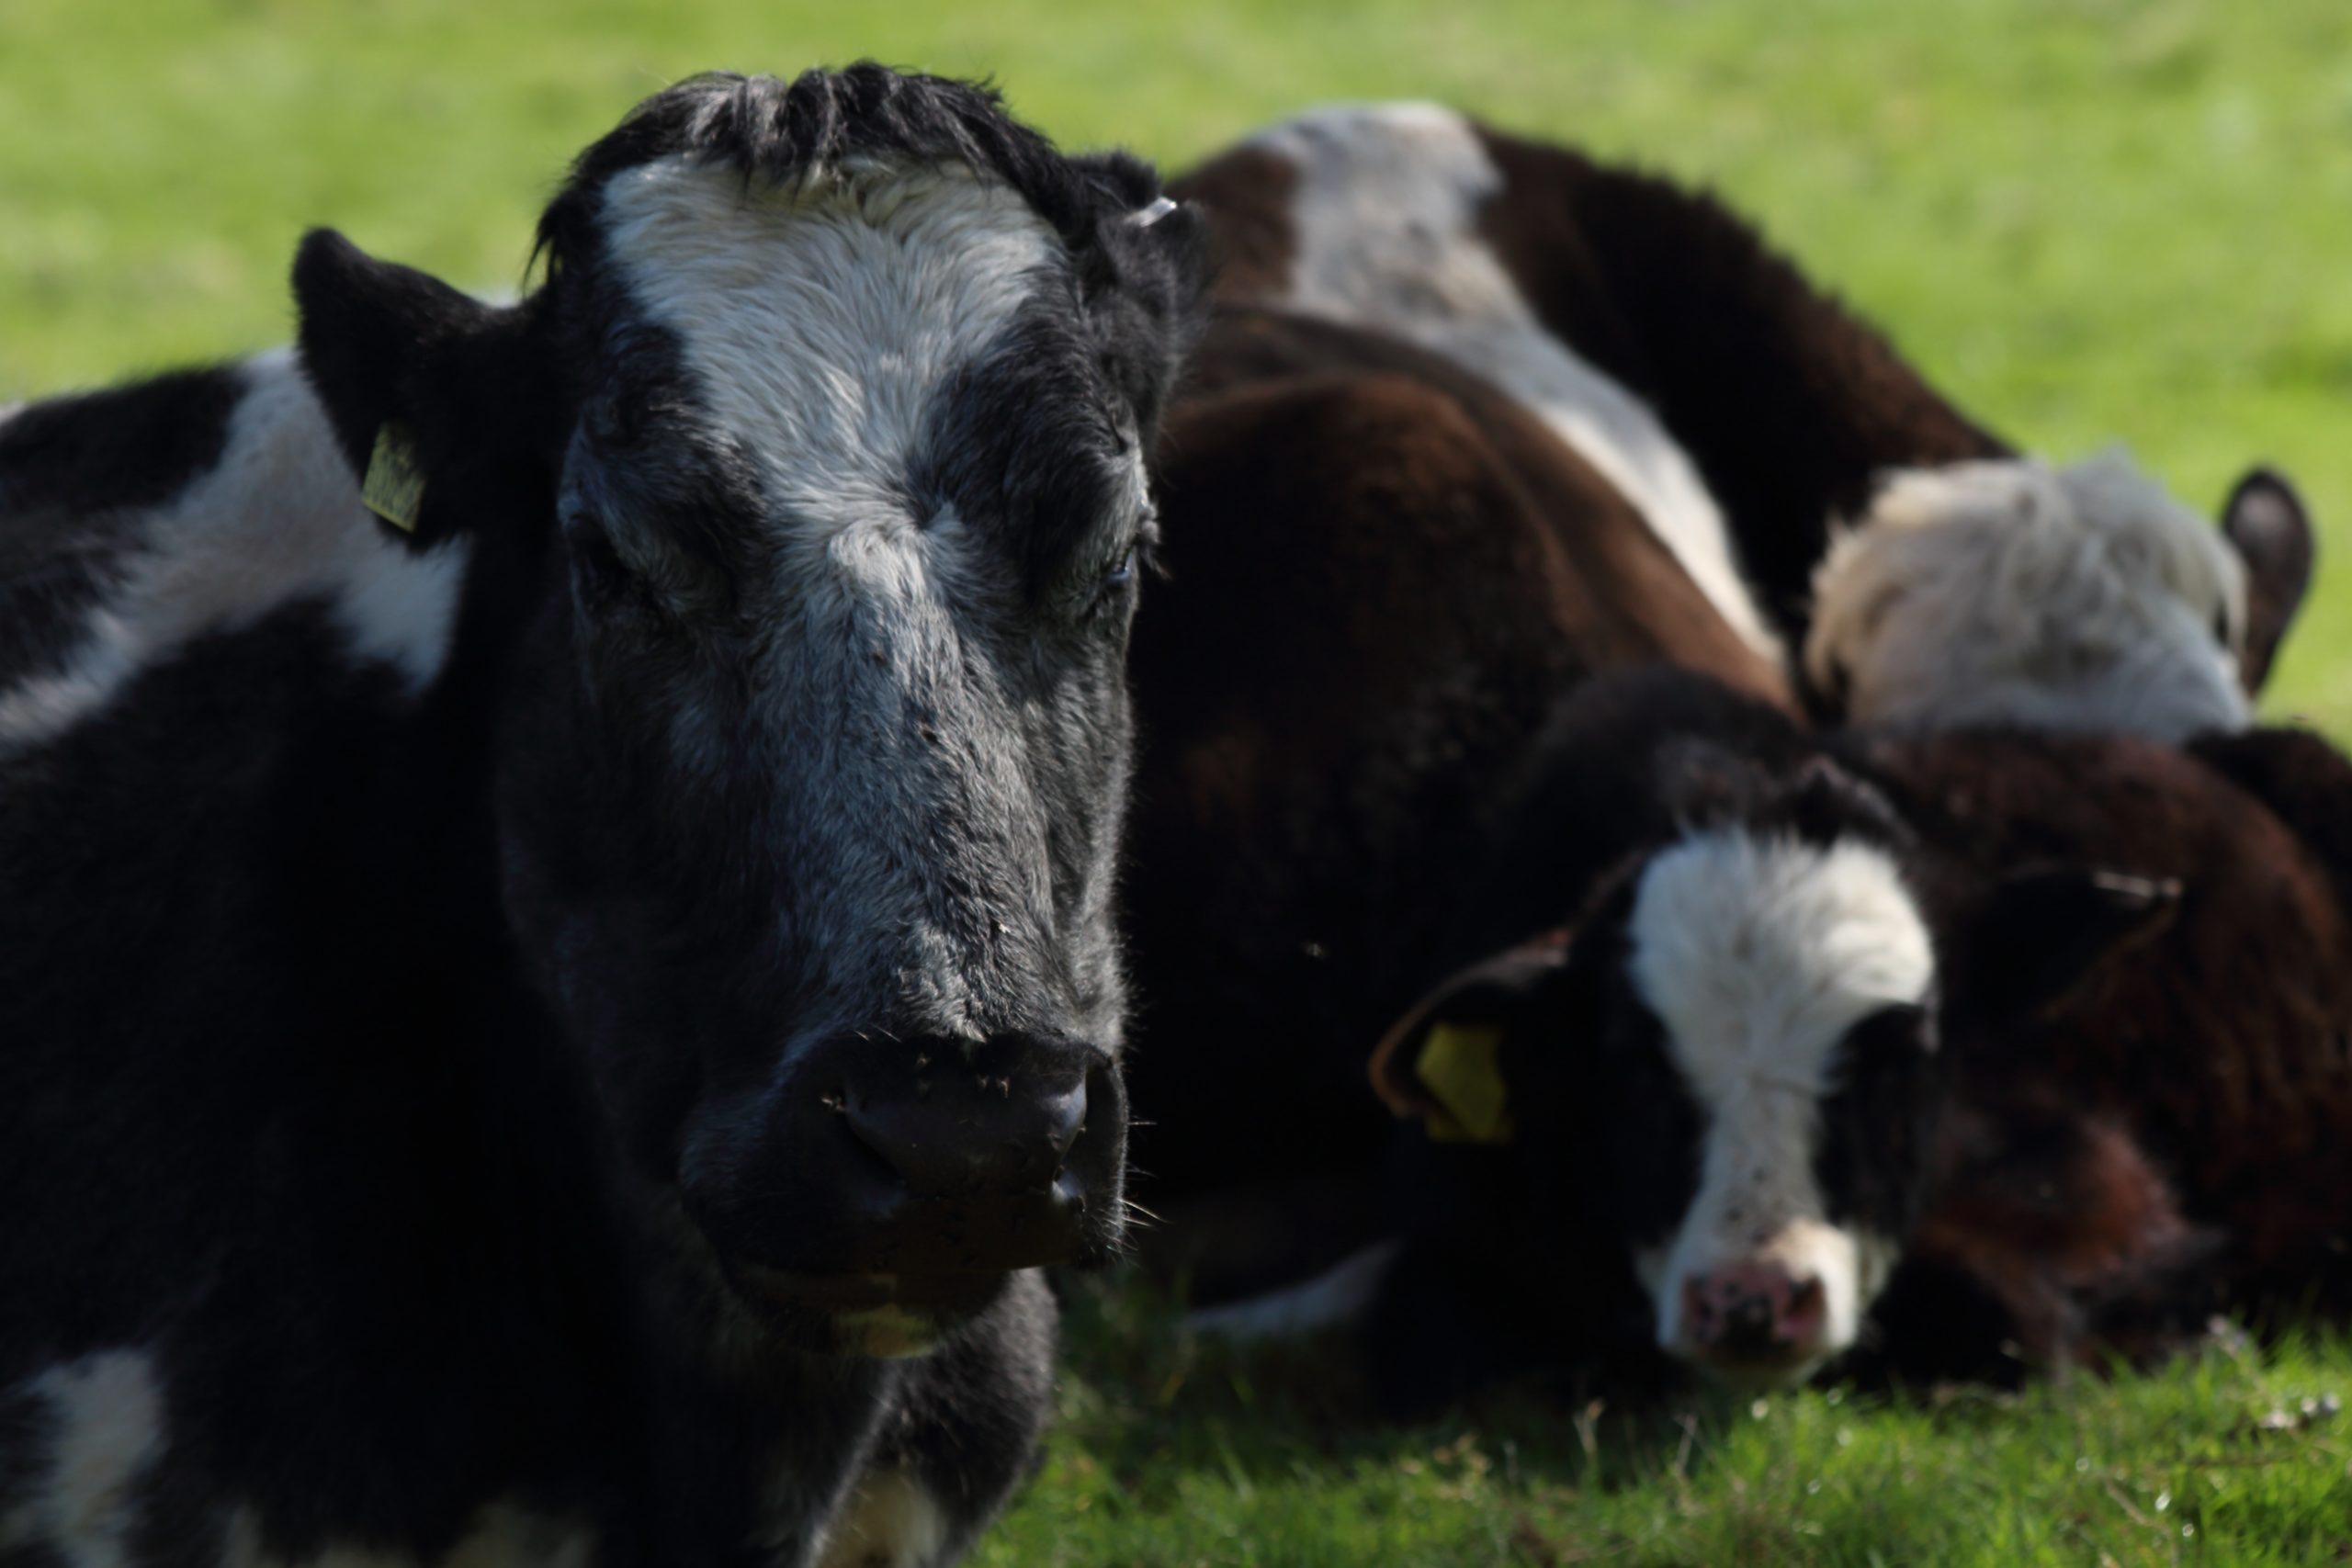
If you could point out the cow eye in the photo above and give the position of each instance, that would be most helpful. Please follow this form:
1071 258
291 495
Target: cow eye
1123 574
2222 625
1904 1028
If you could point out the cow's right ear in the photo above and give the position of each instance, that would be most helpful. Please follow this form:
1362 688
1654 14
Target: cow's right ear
2266 523
1442 1061
2040 934
431 393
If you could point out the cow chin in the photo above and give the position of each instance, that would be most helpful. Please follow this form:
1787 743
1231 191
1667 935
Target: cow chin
872 1317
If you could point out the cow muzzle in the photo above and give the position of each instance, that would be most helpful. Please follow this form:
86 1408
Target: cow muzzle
889 1186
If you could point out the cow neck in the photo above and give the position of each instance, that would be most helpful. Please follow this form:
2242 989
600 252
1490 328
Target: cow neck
1788 403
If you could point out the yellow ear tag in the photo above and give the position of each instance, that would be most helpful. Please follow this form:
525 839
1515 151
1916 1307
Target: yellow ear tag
1458 1066
394 488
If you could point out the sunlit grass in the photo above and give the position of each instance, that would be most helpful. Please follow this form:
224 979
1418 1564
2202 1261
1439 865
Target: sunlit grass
1172 1453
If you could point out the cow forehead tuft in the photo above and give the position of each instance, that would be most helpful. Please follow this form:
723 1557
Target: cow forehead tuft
821 323
1760 950
782 133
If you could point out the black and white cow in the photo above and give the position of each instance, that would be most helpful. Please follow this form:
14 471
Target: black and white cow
512 1027
1859 1051
1834 509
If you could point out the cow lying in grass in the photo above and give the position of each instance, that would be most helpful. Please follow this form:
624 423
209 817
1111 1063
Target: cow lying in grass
1380 575
1959 1054
1386 579
1384 571
515 1017
1828 503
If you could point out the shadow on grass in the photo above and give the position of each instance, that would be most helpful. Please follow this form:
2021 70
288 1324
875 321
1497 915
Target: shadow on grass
1154 1398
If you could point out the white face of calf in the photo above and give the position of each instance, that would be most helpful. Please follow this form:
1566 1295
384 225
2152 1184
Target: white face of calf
1713 1107
2083 597
1762 958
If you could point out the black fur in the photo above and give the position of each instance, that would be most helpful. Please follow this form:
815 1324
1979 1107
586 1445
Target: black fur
352 1044
74 474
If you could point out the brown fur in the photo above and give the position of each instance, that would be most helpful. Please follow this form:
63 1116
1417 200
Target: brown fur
1789 403
2202 1080
1380 575
1247 194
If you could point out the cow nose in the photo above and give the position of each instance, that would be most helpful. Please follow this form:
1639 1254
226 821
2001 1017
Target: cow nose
915 1159
1753 1314
965 1134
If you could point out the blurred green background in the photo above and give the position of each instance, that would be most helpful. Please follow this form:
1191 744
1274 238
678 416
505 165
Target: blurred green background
2088 220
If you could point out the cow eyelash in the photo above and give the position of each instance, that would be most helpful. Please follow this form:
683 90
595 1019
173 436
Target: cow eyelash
1140 559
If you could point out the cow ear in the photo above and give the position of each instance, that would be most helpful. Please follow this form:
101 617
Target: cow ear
2040 934
431 392
1442 1061
2265 522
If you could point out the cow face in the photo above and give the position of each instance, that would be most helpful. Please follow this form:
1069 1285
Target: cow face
2079 598
822 452
1734 1072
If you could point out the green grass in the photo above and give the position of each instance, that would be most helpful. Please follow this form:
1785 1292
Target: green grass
2089 220
1172 1453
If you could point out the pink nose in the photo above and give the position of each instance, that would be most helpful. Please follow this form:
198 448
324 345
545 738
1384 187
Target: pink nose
1752 1311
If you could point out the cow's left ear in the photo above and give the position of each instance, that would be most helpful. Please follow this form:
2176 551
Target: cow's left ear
1442 1061
434 395
2266 523
2040 934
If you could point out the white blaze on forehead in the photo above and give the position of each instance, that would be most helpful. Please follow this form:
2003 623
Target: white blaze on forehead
824 325
822 320
1757 954
277 522
1386 218
102 1416
2015 591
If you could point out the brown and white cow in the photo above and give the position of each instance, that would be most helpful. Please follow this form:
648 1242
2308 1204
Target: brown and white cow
1370 756
1380 572
1831 505
1865 1049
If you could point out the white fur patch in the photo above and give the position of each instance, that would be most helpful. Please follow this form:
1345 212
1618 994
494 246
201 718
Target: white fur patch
2013 591
501 1536
893 1521
826 325
1387 220
276 522
1757 954
822 320
1333 1299
108 1417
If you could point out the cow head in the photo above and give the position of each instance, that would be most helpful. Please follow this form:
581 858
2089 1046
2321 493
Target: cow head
1729 1072
806 498
2074 598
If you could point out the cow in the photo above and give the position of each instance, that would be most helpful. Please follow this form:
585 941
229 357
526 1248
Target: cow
1967 1055
1380 573
1836 510
556 1021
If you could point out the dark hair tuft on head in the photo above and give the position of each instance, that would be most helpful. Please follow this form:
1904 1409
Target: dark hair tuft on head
786 133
